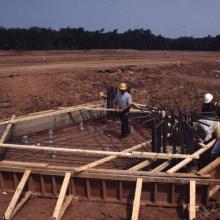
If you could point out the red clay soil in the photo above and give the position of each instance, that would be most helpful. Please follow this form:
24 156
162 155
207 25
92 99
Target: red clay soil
5 198
43 209
36 81
116 212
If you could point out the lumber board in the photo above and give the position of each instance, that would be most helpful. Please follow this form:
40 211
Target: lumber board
62 194
21 204
145 173
131 176
192 200
133 154
7 130
65 206
41 112
188 160
179 165
112 110
215 163
49 114
109 158
214 190
137 198
140 165
19 167
91 104
17 194
25 164
161 166
139 104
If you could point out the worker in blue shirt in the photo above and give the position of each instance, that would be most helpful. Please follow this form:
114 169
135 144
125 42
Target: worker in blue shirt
123 102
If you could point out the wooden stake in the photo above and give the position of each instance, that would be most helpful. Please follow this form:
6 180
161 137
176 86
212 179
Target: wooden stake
192 200
7 130
21 203
65 206
62 195
17 194
137 198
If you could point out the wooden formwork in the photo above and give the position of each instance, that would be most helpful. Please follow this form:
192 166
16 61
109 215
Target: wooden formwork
161 186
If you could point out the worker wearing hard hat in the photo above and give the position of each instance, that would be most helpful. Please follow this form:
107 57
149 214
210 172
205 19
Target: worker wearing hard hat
123 102
211 114
208 123
210 108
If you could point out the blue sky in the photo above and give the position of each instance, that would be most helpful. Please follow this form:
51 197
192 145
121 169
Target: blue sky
171 18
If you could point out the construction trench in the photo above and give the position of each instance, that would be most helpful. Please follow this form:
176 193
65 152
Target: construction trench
74 153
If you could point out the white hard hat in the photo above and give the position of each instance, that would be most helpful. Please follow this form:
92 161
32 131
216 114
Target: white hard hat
207 98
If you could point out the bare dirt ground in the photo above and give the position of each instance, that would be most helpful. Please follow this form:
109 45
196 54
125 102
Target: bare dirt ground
93 211
36 81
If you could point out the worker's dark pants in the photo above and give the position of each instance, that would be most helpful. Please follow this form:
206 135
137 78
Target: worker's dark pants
125 129
216 149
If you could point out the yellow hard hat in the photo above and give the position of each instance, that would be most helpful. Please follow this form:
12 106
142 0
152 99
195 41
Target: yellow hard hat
122 86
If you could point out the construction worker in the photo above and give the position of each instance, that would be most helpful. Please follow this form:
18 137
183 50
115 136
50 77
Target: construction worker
123 102
210 108
208 123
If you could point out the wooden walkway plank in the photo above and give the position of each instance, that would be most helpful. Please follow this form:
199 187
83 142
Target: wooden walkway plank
7 130
211 166
161 166
192 200
188 160
141 165
137 198
109 158
17 194
62 195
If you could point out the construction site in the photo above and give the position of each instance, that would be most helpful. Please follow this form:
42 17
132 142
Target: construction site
61 153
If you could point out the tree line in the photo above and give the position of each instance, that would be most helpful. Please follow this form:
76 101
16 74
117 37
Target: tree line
36 38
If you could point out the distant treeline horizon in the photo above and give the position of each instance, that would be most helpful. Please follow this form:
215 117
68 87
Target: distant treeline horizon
36 38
